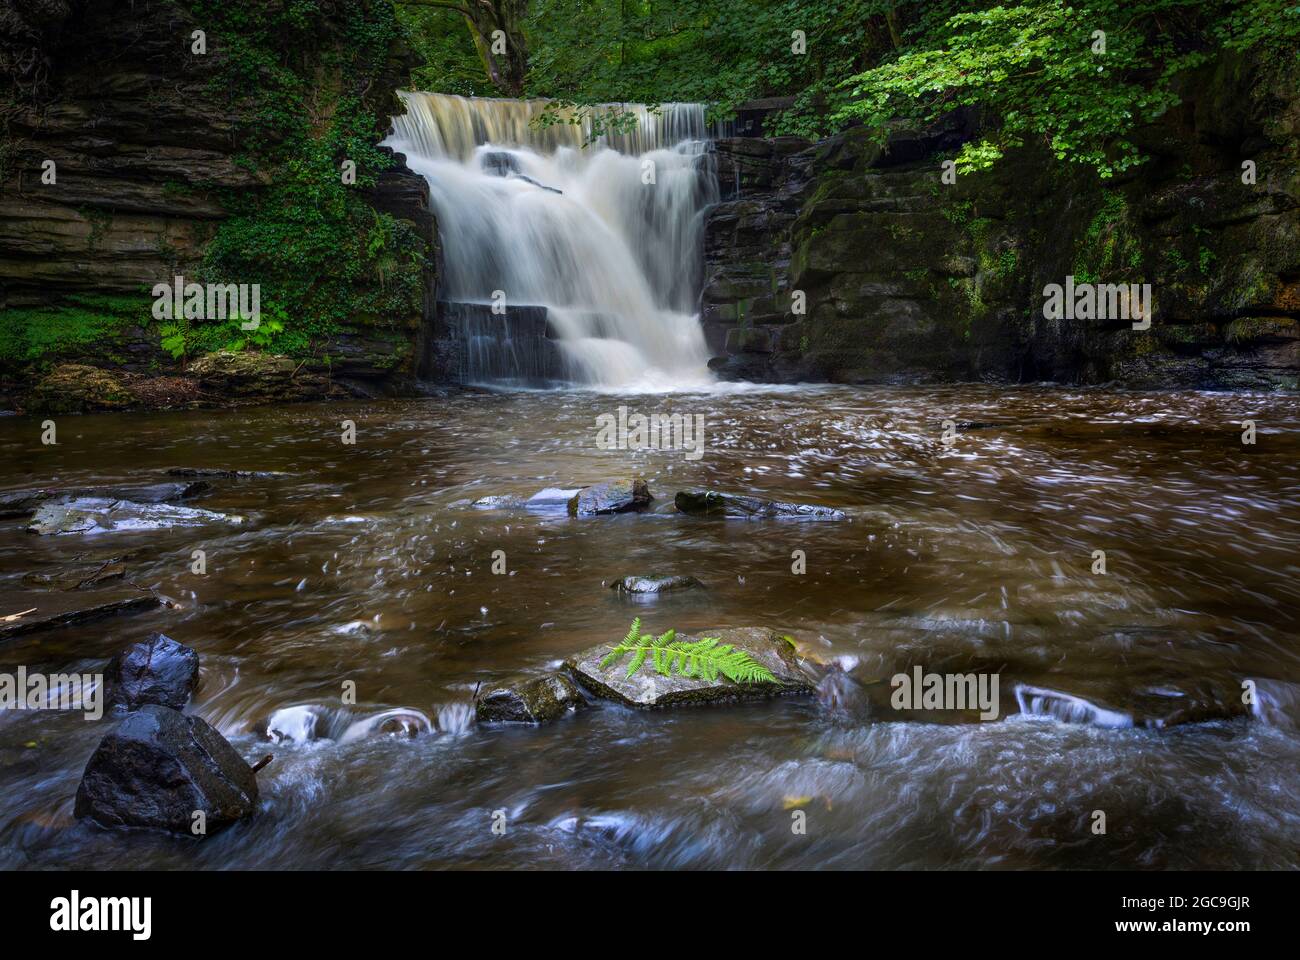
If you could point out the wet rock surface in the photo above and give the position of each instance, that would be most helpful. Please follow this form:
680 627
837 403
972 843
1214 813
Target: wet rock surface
15 503
53 609
711 503
158 670
92 515
537 700
653 584
221 473
158 768
610 496
649 689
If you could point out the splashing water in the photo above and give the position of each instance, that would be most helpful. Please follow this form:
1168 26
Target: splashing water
606 236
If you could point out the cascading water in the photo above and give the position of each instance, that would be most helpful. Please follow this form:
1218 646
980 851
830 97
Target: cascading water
605 237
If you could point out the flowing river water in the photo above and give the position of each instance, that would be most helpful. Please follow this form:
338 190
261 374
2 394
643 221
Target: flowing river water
369 563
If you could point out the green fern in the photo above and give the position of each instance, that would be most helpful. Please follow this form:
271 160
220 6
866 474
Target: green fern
703 659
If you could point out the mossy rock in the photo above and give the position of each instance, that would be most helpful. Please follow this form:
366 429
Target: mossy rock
77 388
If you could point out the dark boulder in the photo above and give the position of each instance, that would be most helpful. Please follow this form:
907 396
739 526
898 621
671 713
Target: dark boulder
610 496
539 700
709 503
158 768
159 670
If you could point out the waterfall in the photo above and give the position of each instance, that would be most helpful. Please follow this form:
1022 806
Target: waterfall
604 236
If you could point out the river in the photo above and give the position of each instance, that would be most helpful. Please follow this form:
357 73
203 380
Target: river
369 563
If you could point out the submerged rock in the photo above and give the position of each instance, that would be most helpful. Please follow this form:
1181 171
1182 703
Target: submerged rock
158 768
158 670
498 501
610 496
223 474
1116 705
710 503
22 502
79 577
648 689
654 584
1042 702
539 700
48 611
103 514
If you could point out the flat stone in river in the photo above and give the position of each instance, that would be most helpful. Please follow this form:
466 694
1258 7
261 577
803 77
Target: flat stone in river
45 610
649 689
102 515
710 503
654 584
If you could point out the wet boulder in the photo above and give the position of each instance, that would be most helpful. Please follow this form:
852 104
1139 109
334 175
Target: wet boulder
158 670
88 515
158 768
537 700
610 496
648 689
710 503
653 584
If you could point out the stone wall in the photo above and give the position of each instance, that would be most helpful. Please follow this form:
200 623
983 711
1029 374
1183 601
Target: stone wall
906 278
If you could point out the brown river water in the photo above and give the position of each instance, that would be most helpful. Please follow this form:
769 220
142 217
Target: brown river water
367 563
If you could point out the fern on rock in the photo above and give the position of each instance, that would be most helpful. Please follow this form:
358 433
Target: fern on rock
703 659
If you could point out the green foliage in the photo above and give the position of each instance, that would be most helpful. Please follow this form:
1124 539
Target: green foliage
703 659
1109 249
82 324
1029 66
299 78
1037 67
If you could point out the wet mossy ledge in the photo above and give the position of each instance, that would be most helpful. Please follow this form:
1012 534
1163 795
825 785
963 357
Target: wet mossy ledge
221 165
906 278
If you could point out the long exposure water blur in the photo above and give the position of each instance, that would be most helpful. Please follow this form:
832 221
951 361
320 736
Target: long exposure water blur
370 563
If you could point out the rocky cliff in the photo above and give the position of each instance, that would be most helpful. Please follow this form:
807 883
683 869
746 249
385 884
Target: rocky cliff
907 278
124 149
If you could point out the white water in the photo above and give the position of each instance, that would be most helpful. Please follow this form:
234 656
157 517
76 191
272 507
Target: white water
615 260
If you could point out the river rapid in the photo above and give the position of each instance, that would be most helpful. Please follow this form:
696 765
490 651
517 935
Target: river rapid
369 563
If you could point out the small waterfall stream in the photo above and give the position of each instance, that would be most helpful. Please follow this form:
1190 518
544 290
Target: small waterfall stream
605 237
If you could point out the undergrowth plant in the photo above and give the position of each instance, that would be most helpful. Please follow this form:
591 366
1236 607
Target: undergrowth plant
703 659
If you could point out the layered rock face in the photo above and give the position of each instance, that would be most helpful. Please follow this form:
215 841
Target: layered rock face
145 152
907 278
